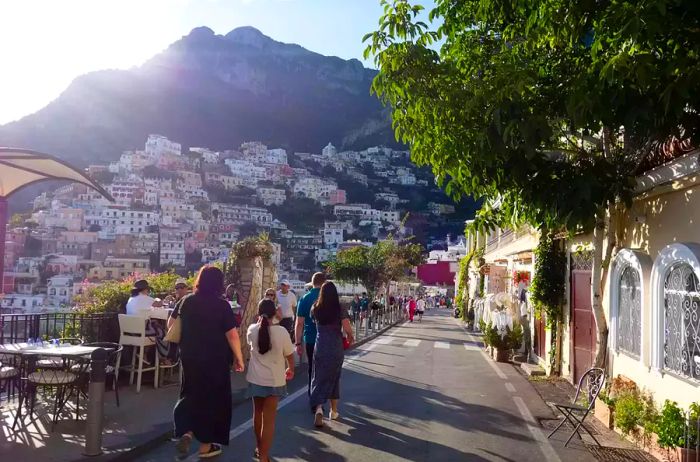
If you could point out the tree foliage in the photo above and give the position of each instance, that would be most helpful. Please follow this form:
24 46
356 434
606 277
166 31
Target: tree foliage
374 267
546 108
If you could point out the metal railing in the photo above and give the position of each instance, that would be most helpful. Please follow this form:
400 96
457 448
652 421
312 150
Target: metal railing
97 327
375 321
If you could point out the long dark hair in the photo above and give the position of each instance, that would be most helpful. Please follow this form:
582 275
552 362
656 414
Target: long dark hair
266 310
327 308
209 282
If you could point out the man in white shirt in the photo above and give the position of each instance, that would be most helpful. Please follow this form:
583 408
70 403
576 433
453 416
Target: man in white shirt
140 303
287 302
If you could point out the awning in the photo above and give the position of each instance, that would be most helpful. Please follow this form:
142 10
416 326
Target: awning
22 167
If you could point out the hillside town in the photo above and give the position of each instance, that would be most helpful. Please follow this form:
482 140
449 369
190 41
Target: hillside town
177 209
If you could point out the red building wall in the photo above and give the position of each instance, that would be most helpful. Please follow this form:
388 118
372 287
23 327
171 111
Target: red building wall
436 273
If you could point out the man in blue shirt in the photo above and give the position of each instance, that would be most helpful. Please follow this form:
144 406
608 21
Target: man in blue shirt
305 324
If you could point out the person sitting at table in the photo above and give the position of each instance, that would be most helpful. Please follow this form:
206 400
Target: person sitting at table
140 304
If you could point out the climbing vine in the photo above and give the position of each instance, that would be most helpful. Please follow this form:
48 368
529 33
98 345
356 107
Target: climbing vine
549 282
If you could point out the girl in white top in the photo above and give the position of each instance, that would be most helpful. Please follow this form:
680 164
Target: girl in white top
271 366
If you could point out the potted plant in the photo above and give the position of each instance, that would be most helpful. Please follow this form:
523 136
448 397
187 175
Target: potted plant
604 409
676 433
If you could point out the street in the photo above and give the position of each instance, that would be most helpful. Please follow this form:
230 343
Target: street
421 392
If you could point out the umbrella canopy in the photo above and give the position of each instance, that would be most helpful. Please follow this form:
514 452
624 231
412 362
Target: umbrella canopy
22 167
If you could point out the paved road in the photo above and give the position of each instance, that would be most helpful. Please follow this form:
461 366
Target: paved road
421 392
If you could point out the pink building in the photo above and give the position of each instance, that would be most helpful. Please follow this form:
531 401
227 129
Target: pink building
336 197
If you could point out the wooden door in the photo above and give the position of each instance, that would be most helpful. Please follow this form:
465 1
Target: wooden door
540 341
583 323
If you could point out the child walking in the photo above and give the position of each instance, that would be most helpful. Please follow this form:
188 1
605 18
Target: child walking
271 365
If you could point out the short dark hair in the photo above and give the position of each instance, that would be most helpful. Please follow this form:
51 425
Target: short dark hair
209 282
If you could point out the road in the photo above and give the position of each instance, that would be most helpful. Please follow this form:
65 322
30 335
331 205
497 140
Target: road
421 392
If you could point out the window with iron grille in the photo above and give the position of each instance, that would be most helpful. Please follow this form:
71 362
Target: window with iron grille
681 349
629 317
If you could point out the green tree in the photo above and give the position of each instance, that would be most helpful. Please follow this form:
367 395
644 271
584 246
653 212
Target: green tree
545 110
376 266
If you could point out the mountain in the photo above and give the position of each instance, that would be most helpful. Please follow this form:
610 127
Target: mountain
215 91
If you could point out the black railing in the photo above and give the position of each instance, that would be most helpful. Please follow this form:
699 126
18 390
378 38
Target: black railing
97 327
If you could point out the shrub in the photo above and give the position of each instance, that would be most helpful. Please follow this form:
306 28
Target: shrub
670 426
629 410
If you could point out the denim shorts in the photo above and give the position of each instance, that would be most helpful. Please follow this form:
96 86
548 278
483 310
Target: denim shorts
262 391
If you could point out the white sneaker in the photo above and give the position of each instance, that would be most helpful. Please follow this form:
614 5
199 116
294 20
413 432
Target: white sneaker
318 418
333 415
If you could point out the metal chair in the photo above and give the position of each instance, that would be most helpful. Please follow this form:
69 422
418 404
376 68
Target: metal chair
113 363
591 383
64 381
9 379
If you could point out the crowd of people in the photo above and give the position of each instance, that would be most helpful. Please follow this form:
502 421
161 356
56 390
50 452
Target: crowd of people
210 346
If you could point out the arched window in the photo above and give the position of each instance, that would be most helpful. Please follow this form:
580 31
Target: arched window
628 295
676 310
629 319
682 322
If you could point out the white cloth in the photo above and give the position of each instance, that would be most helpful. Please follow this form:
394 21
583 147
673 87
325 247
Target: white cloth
287 303
420 305
268 370
139 305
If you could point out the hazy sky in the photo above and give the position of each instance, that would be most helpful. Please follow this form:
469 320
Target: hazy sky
45 44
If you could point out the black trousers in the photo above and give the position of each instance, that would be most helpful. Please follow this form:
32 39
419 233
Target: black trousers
288 323
310 357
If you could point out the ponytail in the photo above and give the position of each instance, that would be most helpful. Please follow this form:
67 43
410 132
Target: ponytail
264 336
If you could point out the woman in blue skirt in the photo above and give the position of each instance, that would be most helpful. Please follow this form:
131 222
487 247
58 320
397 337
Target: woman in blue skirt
271 365
331 321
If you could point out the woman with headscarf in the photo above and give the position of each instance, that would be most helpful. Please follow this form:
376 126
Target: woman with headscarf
209 344
271 365
331 322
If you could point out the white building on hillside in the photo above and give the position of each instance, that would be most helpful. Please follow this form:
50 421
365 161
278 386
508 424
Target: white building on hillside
332 234
275 156
272 196
158 145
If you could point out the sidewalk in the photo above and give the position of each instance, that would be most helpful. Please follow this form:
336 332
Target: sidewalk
613 448
143 421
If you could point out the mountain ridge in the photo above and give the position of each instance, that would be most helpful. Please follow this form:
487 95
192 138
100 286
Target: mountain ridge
213 90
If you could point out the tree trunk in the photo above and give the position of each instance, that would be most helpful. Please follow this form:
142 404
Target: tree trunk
610 247
596 292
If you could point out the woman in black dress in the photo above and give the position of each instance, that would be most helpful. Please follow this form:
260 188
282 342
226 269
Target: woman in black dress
209 344
331 321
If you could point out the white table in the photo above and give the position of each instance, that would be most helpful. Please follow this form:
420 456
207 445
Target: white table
160 313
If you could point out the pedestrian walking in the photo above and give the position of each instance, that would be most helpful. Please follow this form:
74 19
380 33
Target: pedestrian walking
364 306
411 305
355 307
271 366
287 301
331 322
209 345
420 308
305 328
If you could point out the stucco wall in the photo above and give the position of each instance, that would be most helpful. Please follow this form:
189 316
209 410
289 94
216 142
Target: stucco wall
672 215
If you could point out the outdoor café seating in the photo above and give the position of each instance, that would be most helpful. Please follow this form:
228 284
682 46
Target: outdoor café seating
133 334
61 380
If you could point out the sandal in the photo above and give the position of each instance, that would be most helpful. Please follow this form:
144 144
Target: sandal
183 446
256 453
214 450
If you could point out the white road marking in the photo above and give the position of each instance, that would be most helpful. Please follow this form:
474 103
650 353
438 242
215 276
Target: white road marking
542 441
510 387
384 340
493 365
471 347
442 345
412 342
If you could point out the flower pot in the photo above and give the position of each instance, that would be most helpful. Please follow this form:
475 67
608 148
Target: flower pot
500 355
686 455
604 413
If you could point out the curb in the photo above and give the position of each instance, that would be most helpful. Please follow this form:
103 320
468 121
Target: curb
156 440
